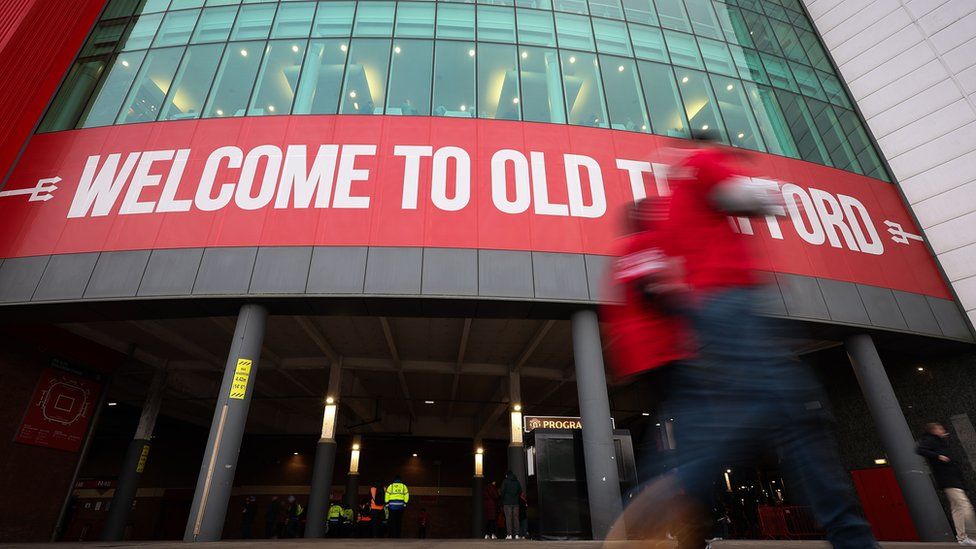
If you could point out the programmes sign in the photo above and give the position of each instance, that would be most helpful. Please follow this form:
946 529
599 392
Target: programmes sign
418 181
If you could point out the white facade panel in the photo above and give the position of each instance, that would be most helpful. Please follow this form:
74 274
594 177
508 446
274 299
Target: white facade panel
911 68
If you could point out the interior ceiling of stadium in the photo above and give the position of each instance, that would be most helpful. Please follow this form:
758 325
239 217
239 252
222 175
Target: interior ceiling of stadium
400 375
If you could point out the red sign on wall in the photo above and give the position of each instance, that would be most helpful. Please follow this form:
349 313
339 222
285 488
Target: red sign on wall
59 412
421 181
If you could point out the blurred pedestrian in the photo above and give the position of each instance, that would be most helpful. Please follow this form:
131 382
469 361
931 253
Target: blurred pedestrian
933 445
423 521
249 509
744 392
377 511
510 492
293 513
489 502
271 518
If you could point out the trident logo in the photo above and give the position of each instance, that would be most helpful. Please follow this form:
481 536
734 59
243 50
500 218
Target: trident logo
899 235
42 191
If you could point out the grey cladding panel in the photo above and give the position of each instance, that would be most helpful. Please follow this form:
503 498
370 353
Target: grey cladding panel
225 271
117 274
66 277
597 267
843 302
337 270
771 302
882 307
915 308
949 317
802 296
450 272
559 276
281 270
504 273
394 270
19 277
171 272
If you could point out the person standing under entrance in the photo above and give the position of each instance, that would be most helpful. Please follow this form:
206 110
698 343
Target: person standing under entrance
423 520
510 492
933 445
397 497
377 511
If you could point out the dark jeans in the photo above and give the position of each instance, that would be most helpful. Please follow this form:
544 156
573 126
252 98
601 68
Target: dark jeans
396 521
746 393
375 522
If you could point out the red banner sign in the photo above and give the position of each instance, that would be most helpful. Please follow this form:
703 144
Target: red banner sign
420 181
59 411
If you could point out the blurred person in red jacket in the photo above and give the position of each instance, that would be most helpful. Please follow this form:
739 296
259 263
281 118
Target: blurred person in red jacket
744 392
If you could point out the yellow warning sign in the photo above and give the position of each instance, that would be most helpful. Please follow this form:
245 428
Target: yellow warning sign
238 388
143 456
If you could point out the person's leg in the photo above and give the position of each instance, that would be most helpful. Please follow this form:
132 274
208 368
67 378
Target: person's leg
958 503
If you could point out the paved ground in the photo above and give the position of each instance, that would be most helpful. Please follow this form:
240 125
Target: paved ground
454 544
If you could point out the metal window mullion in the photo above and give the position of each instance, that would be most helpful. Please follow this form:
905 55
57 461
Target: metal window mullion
345 65
599 68
301 68
186 48
227 44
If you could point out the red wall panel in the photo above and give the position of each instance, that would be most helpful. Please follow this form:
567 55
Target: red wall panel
38 41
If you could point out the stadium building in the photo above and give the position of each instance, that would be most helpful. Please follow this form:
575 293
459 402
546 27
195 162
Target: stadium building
271 248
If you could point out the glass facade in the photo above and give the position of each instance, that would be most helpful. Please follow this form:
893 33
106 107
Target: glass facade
751 71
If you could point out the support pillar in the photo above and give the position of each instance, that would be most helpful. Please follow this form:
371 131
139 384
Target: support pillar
325 452
602 479
477 493
352 478
216 478
896 438
135 461
516 446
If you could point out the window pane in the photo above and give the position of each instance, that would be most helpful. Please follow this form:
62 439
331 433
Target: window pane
176 28
733 25
254 22
277 80
535 27
231 2
606 8
861 145
333 19
803 128
235 79
153 5
364 88
717 58
814 50
703 18
672 14
119 8
788 41
415 19
410 77
496 24
150 87
107 100
834 140
625 100
772 123
498 86
648 43
779 72
215 24
835 92
294 20
807 81
192 82
739 121
640 11
584 90
574 31
761 33
663 100
105 38
683 49
71 99
185 4
318 92
455 21
542 90
571 6
374 19
454 68
749 65
141 32
611 37
700 103
536 4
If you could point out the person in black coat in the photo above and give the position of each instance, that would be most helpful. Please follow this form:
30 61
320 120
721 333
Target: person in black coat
933 445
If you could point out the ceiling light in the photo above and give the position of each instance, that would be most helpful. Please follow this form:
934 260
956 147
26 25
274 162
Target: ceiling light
645 414
684 80
244 53
294 48
644 127
920 369
271 108
428 402
728 470
343 47
463 108
471 53
480 451
112 403
352 94
220 112
657 424
729 87
397 49
515 100
329 400
525 54
880 461
572 59
517 407
294 453
125 63
620 68
741 135
705 127
355 105
415 455
355 446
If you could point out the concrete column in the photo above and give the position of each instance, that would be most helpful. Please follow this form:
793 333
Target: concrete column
325 452
477 493
216 478
352 478
602 479
516 446
135 461
897 440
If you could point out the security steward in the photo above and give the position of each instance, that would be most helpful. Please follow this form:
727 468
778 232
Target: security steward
334 520
397 497
348 522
